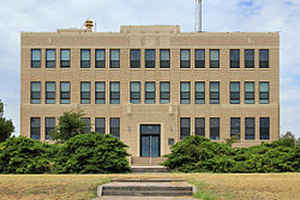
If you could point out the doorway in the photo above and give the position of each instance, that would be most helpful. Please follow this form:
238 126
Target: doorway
150 140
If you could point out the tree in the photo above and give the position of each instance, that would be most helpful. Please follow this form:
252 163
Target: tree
288 139
6 126
69 125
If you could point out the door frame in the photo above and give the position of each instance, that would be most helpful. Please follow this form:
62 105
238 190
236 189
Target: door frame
140 138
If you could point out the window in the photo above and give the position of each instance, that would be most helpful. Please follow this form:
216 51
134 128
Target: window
200 58
264 129
185 92
214 58
65 93
50 92
35 128
135 58
85 92
185 58
150 92
50 58
150 58
165 58
115 58
199 92
234 58
115 127
214 128
85 58
165 92
100 93
87 123
185 127
35 92
49 126
235 92
200 127
249 58
135 92
65 58
235 128
264 92
100 58
114 92
264 58
250 128
214 90
100 125
249 92
35 58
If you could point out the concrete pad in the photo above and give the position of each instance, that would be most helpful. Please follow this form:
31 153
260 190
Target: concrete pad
145 198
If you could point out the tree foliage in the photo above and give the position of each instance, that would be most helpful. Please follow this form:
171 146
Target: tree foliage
69 126
6 126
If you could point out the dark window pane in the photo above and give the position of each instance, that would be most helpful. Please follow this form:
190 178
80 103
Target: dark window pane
65 93
250 128
185 93
115 58
200 127
214 128
235 128
100 93
115 93
35 58
165 92
85 58
50 58
234 58
87 122
185 58
235 93
35 93
65 58
100 58
249 58
214 57
85 92
249 92
50 92
135 92
185 127
35 128
264 128
264 58
135 58
150 93
100 125
49 126
165 58
150 58
115 127
199 92
200 58
214 93
264 93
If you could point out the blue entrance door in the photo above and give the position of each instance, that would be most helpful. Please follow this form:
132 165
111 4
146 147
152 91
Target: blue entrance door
150 140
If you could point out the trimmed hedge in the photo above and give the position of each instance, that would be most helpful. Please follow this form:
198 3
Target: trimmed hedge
198 154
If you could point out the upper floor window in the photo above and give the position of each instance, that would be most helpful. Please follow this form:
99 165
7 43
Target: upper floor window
185 92
100 58
115 127
35 58
214 58
249 58
135 92
214 131
50 58
199 92
49 126
35 128
100 125
264 58
165 92
114 92
100 93
250 128
235 128
264 92
200 127
264 129
115 58
200 58
214 93
85 92
165 58
185 127
235 92
185 58
249 92
50 92
150 92
85 58
35 92
65 58
234 58
135 58
65 92
150 58
87 123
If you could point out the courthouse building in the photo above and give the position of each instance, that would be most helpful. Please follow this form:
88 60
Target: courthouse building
151 86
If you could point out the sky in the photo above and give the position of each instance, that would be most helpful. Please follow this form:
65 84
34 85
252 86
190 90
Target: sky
219 16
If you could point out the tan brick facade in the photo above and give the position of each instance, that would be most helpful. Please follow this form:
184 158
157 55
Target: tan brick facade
167 115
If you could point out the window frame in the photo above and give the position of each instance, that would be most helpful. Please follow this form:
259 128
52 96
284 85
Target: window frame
115 130
213 129
135 58
264 63
35 63
65 63
165 64
35 129
214 63
249 95
249 129
263 130
147 99
87 127
264 96
185 131
35 96
200 95
98 62
214 93
200 130
49 129
198 62
249 63
185 64
150 63
162 94
114 64
235 130
83 62
100 93
100 129
50 64
85 96
50 96
235 96
135 96
62 93
185 96
112 99
233 62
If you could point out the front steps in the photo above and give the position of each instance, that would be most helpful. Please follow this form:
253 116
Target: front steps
147 161
149 169
146 188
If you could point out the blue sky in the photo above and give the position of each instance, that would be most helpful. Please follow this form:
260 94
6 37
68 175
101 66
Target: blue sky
219 15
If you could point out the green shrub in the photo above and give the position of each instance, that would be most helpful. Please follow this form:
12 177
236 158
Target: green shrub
21 155
92 153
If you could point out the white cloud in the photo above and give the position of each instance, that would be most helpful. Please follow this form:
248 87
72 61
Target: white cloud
232 15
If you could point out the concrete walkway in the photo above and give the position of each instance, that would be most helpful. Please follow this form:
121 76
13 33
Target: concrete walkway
145 198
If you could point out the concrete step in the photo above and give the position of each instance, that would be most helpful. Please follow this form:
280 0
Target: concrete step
147 161
162 189
152 180
149 169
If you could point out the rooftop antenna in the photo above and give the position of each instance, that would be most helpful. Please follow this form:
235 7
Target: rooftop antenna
198 15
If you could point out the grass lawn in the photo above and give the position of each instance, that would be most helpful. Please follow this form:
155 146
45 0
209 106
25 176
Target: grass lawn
211 186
